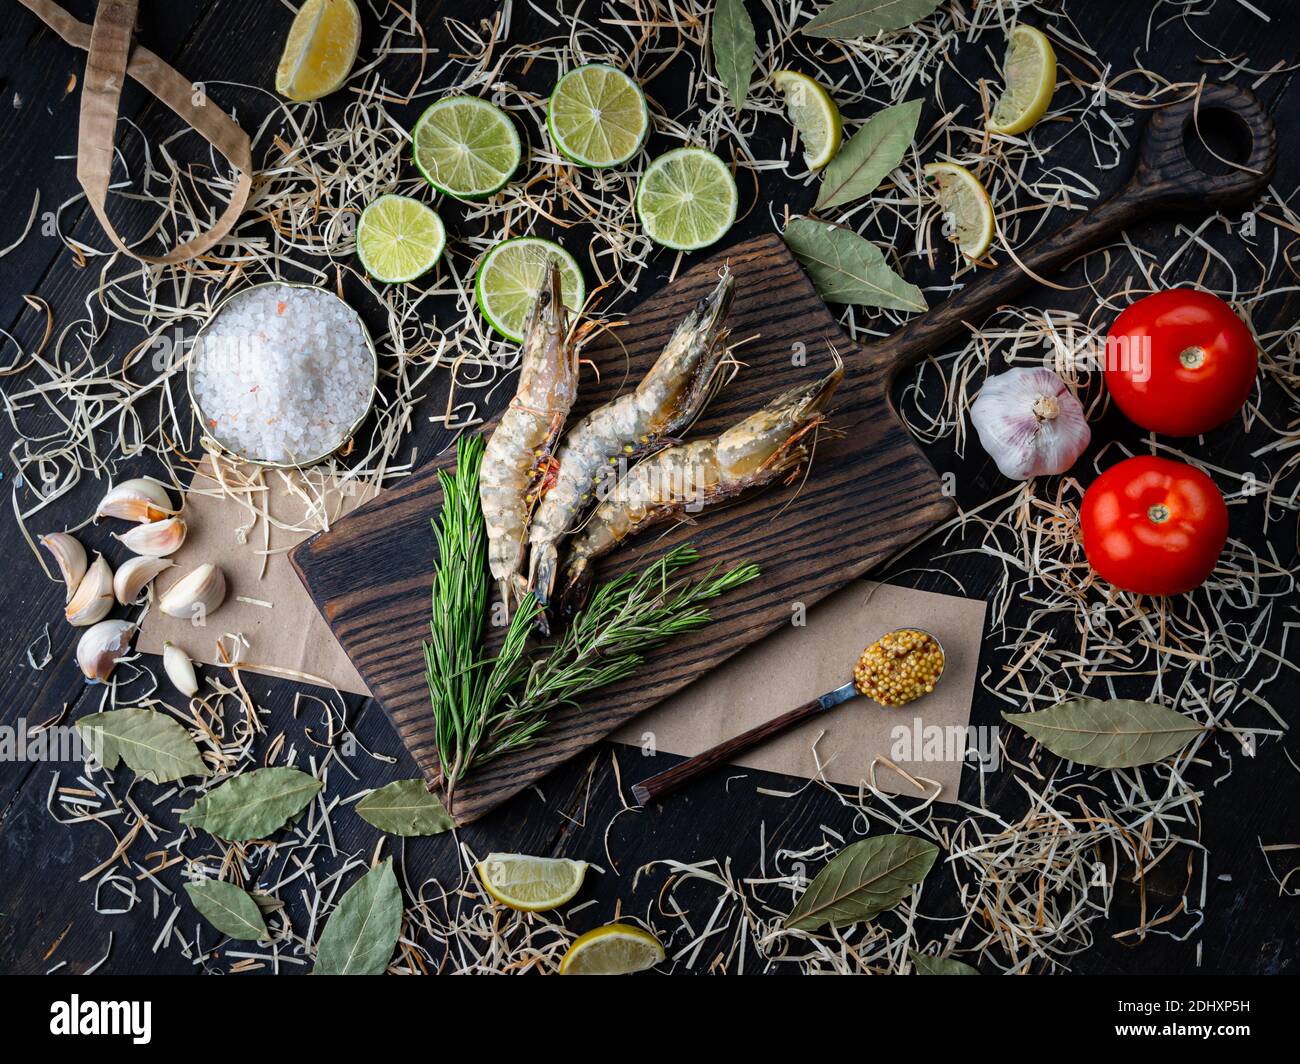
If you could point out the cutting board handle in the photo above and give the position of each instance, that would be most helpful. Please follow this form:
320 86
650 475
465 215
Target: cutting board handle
1166 178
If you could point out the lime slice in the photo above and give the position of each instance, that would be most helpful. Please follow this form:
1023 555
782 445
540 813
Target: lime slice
399 238
531 884
598 116
965 204
511 275
466 147
615 949
1030 73
814 114
686 199
320 49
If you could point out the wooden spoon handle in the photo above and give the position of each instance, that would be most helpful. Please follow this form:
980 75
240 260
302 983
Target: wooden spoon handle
1166 178
669 780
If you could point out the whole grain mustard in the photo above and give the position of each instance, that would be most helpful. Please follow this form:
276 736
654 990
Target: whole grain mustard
899 667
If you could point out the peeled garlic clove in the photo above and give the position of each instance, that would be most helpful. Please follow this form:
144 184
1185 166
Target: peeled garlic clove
101 646
156 539
136 500
71 556
131 578
195 595
180 670
1030 422
94 595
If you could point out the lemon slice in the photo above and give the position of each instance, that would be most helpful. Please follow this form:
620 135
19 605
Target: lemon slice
1030 74
320 50
512 273
531 884
598 116
466 147
399 238
814 114
686 199
615 949
965 204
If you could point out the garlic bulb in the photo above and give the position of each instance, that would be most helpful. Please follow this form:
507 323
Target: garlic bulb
71 556
157 539
1030 423
139 500
195 595
101 646
134 573
180 670
94 595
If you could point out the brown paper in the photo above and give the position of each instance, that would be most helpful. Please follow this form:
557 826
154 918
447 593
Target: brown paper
288 636
799 663
110 59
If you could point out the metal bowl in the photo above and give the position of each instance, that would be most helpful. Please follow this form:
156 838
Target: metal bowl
211 441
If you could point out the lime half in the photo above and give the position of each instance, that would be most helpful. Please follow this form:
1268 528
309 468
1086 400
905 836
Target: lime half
814 114
466 147
598 116
1030 73
531 884
399 238
511 275
615 949
686 199
965 205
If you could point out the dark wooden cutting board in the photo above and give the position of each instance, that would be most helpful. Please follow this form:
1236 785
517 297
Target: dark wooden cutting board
869 494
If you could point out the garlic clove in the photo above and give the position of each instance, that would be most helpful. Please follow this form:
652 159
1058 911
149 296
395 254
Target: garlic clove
71 558
139 500
180 670
156 539
94 595
1030 423
100 647
196 594
131 578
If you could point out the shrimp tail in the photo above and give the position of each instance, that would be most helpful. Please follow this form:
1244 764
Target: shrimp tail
543 562
577 589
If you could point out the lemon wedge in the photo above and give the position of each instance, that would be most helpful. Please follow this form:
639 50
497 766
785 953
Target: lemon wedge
813 113
320 50
1030 74
531 884
965 205
615 949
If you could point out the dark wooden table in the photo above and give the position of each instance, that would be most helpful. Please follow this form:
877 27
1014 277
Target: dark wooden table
1248 927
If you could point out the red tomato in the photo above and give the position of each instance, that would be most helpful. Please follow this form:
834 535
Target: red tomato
1153 526
1198 370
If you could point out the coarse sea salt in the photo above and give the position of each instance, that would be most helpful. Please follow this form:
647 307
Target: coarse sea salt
282 373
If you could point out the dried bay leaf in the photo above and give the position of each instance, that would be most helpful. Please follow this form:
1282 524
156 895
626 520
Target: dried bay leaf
846 268
231 911
405 808
862 880
733 41
362 931
1115 733
845 19
927 965
254 804
157 747
873 151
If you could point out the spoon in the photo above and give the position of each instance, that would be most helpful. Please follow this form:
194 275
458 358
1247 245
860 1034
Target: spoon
874 677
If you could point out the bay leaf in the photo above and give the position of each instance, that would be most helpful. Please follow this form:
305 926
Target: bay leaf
924 964
862 880
405 808
873 151
156 746
733 41
845 19
1115 733
846 268
229 909
362 931
253 804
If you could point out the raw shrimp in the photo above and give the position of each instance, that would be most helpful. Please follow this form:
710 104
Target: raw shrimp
517 459
686 478
668 399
